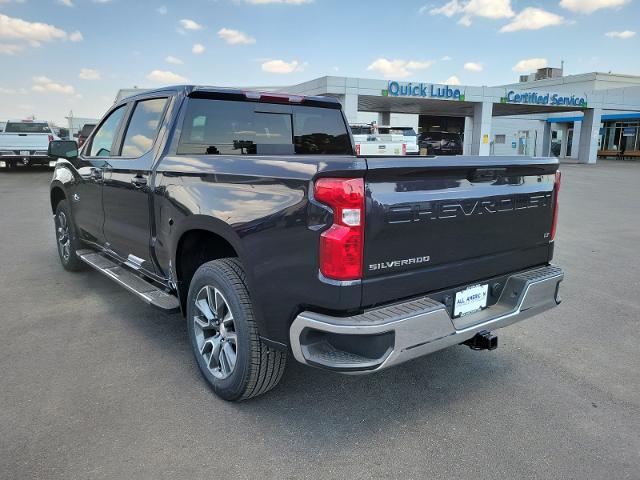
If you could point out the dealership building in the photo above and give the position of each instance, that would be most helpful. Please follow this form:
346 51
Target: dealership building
582 117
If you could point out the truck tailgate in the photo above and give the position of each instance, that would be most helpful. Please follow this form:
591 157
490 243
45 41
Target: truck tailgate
434 223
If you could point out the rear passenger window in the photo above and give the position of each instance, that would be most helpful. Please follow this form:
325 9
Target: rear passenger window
143 127
227 127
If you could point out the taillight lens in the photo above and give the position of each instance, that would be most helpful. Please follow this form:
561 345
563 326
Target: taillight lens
357 149
404 148
51 138
341 246
556 192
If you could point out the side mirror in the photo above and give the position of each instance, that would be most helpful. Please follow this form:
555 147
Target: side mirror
63 149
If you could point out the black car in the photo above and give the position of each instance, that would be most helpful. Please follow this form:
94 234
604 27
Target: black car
441 143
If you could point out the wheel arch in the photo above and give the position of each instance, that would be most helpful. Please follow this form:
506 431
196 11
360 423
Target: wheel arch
201 239
56 195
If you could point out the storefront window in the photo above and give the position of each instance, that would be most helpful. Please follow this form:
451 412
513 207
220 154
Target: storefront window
621 136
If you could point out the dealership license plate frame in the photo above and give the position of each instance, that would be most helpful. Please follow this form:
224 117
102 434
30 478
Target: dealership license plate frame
25 153
470 300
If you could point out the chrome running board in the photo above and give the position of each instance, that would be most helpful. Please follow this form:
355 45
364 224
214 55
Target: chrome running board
142 289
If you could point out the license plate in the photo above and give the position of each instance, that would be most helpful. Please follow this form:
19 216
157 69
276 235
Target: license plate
470 300
24 152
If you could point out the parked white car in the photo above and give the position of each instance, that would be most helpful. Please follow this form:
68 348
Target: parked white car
25 142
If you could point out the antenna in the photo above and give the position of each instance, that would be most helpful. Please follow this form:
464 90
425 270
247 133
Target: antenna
562 67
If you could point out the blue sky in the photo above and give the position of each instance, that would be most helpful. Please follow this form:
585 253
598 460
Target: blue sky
61 55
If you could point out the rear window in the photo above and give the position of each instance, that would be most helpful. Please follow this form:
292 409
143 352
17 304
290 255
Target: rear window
227 127
27 127
405 131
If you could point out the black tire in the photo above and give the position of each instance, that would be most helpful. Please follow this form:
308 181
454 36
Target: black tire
67 242
257 368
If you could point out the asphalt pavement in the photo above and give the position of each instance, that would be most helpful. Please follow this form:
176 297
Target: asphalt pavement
94 384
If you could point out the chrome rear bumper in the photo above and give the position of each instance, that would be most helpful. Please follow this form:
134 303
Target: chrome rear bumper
386 336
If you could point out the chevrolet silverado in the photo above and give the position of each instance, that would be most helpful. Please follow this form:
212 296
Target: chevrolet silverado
250 214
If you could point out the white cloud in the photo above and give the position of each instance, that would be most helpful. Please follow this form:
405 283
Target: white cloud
66 3
448 9
89 74
452 80
44 84
446 58
33 32
624 34
165 77
590 6
173 60
473 67
13 91
288 2
280 66
235 37
398 68
533 19
76 36
489 8
162 10
493 9
190 24
10 49
197 48
530 65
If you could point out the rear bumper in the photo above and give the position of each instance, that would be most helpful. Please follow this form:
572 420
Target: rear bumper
387 336
7 159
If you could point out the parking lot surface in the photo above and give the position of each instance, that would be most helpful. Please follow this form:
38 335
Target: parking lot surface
95 384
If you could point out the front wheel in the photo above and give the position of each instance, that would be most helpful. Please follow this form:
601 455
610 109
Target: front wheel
224 337
66 239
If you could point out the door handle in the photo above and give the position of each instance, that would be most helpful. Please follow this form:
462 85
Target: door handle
139 181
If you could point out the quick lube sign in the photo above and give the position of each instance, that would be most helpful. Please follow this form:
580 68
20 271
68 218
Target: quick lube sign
397 89
553 99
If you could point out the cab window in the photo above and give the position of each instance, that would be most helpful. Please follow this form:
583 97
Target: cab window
106 134
143 127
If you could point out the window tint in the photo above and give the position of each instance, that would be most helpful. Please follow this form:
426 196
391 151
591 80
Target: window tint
102 140
143 127
320 131
215 127
229 127
27 127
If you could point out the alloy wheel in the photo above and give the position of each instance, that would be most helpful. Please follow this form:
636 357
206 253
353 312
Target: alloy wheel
62 230
215 333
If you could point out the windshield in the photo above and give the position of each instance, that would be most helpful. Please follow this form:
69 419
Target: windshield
27 127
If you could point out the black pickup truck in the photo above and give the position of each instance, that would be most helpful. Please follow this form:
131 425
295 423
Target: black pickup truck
250 214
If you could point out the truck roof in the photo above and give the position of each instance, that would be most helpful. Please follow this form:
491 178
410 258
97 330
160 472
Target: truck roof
203 90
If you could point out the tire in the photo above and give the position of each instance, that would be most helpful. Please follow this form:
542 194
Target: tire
66 238
224 335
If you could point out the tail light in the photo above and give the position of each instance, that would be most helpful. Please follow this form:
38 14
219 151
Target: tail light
404 148
80 141
341 246
357 149
51 138
556 191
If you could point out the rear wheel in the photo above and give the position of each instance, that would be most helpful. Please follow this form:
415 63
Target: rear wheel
66 238
224 336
